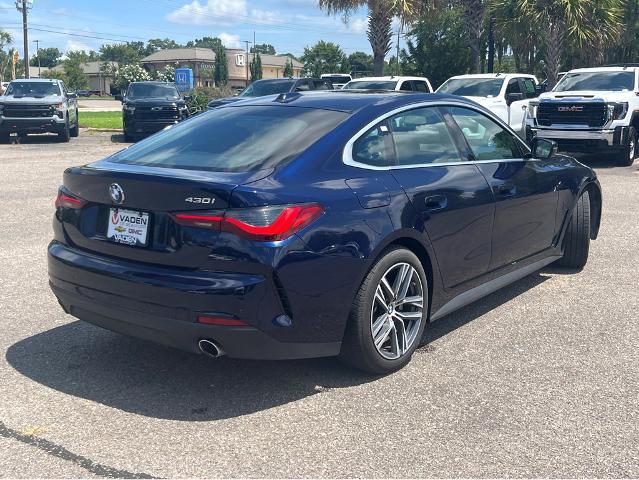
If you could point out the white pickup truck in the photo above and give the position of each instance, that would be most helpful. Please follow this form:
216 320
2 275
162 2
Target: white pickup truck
506 95
591 110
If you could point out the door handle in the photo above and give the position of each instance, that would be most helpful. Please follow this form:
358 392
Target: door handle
507 190
436 202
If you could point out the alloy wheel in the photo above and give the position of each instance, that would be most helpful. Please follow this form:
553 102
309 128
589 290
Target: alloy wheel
397 311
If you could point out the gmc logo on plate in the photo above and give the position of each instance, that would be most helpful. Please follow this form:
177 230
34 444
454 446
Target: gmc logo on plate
574 108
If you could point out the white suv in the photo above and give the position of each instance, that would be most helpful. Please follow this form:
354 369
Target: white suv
590 109
506 95
404 84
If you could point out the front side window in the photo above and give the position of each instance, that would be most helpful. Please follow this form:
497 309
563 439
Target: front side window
529 87
420 86
486 138
234 139
513 86
421 136
598 81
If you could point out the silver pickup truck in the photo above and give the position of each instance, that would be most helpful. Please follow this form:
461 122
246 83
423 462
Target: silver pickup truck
38 106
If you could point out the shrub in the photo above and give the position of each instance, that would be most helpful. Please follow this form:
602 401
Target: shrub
201 96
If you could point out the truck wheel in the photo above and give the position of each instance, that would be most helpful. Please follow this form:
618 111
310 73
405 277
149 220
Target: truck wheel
65 134
75 131
5 138
577 239
629 151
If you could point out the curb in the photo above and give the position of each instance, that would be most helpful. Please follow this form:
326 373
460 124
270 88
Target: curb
92 129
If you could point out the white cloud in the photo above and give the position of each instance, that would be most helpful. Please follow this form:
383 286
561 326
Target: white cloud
357 25
74 45
213 12
230 40
266 16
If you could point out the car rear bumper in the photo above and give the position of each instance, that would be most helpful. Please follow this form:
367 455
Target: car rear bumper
162 305
32 125
581 140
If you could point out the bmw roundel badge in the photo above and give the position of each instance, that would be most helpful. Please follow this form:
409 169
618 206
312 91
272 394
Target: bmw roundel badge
117 194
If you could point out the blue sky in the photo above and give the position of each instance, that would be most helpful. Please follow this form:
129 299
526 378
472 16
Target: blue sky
289 25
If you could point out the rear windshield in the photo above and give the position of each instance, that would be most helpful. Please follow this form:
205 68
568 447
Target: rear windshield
598 81
371 85
261 89
234 139
33 89
472 87
150 90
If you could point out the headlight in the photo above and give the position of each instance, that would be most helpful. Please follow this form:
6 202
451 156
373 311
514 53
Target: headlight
59 106
532 109
129 108
617 111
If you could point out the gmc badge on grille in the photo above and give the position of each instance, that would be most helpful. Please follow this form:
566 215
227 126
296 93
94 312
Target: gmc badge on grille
572 108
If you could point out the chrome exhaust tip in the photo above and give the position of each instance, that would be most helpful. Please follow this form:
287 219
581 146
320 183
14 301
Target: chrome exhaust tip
210 348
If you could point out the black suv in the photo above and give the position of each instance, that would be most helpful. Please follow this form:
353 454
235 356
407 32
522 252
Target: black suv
274 86
148 107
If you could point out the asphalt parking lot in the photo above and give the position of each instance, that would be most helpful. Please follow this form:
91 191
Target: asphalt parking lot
538 379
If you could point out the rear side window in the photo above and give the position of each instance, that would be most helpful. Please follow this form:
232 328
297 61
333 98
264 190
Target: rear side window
421 136
374 148
420 86
406 86
234 139
322 85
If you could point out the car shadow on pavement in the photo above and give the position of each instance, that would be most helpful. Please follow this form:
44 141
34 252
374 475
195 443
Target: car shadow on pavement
146 379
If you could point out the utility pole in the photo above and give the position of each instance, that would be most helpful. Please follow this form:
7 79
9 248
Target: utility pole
399 29
247 60
37 42
24 6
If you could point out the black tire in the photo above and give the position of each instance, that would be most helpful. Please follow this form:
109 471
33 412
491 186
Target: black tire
5 138
128 137
65 135
75 130
577 239
628 153
358 347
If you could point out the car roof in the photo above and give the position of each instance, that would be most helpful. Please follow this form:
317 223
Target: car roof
495 75
158 82
619 68
387 78
349 101
39 80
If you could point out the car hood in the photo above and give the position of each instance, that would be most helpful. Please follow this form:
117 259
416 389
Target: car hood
585 95
46 100
224 101
159 101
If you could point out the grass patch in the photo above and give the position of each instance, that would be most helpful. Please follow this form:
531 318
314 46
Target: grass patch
101 119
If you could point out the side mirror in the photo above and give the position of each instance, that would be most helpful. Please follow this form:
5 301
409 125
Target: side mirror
72 95
543 148
514 97
541 88
188 97
119 97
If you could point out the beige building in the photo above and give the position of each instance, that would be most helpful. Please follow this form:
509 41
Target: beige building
202 62
98 83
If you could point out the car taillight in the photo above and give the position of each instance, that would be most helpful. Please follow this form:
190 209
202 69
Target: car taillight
67 200
264 224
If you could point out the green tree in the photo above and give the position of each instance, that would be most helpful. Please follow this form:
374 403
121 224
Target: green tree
130 73
437 48
49 57
380 18
157 44
221 73
206 42
288 68
5 57
166 75
263 48
592 23
75 78
256 67
360 64
123 53
323 57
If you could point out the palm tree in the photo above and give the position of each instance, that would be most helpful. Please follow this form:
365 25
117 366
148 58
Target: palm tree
380 19
5 39
474 12
582 21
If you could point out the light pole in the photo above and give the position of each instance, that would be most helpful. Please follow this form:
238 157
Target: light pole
37 42
247 61
24 6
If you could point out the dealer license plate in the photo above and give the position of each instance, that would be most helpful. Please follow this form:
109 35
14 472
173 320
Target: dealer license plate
128 227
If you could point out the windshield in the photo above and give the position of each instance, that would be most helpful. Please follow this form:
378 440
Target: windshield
152 90
261 89
598 81
472 87
33 89
371 85
340 79
234 139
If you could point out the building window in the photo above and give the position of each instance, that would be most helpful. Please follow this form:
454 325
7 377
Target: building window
239 60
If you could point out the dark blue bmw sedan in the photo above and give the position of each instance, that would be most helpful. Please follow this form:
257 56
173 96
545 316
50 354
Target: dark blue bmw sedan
319 224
